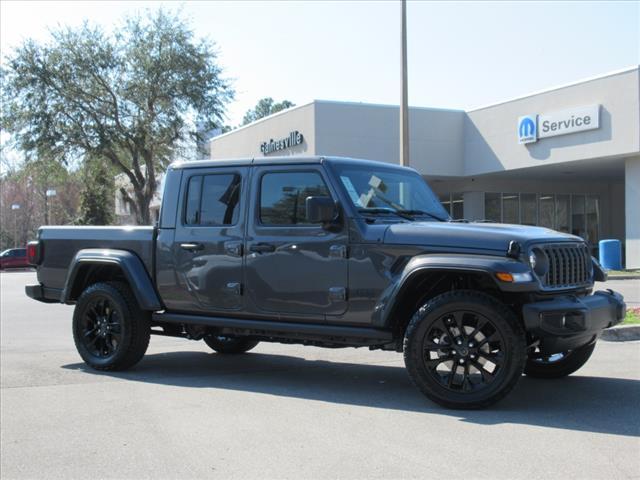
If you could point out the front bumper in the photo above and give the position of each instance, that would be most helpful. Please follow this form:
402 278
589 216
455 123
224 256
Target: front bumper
568 322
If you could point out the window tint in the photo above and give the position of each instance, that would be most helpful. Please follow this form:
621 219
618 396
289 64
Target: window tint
212 200
283 196
193 200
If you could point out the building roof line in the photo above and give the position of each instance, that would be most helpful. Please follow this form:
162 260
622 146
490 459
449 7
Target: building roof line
558 87
260 120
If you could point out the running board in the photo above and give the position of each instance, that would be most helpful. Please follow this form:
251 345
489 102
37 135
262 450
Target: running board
268 328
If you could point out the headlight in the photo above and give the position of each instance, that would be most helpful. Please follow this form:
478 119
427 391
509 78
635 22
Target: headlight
538 262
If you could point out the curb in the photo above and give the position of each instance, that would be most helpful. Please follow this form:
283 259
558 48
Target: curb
623 277
624 333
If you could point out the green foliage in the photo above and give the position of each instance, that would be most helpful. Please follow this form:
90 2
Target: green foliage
97 197
126 97
263 108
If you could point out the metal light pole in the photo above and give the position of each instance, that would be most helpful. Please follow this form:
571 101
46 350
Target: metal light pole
404 100
48 193
15 207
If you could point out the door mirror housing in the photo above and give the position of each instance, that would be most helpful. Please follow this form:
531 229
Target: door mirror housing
321 210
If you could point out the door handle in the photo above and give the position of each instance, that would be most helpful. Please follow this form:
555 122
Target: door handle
262 248
192 247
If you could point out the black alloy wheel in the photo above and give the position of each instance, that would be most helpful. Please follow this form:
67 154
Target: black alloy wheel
109 329
558 365
464 349
101 327
230 345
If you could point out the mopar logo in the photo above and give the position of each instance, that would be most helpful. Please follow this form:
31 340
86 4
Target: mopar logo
527 127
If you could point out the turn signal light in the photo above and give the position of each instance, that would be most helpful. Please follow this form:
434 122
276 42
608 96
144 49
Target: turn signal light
505 277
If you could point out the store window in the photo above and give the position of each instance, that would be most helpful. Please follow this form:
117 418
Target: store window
578 224
457 206
547 210
592 216
453 203
510 208
562 213
528 209
492 209
578 214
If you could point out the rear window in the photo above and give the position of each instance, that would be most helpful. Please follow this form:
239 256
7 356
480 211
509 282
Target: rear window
212 200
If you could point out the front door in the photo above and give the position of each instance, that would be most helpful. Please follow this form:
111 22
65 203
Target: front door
293 267
208 245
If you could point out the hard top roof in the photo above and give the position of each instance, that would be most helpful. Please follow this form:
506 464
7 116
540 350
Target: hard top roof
289 160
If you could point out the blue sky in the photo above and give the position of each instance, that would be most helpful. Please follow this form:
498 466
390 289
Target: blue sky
461 54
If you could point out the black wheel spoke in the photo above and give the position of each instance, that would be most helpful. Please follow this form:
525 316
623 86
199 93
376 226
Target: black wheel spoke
491 338
434 362
452 375
495 359
486 375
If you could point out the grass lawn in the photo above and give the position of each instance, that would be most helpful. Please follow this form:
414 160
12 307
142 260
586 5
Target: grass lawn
633 317
615 273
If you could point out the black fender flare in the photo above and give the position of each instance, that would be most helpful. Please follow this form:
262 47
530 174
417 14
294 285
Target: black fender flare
129 263
451 262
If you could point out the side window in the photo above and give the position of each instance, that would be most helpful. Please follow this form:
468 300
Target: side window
283 196
212 200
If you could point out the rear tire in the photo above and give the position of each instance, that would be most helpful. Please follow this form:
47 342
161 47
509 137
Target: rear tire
464 349
109 329
230 345
553 367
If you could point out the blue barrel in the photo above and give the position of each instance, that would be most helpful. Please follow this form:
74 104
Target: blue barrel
611 254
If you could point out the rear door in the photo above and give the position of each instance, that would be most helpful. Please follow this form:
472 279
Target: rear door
293 268
208 245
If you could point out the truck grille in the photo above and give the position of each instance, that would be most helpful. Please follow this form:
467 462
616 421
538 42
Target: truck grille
569 266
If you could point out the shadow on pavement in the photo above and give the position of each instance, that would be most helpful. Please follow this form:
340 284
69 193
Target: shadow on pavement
591 404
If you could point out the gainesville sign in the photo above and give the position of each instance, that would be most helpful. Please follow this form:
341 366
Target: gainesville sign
533 127
294 138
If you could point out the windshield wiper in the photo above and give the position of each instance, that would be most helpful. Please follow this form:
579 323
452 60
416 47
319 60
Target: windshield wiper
377 210
421 212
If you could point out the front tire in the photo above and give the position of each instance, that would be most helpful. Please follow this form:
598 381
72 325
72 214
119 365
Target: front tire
109 329
464 349
560 364
230 345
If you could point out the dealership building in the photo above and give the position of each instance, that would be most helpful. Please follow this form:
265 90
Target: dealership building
567 158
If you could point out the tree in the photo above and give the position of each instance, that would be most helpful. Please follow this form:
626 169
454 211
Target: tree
127 97
264 108
97 197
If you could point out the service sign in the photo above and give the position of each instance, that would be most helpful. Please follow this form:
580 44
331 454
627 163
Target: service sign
569 121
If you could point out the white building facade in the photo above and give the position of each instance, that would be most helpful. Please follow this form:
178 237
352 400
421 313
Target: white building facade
567 158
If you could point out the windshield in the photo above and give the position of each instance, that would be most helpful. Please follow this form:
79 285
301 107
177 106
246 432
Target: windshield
390 190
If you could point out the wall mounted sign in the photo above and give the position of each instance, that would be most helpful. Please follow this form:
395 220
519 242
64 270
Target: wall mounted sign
533 127
295 138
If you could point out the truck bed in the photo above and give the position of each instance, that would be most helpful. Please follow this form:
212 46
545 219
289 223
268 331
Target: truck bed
62 243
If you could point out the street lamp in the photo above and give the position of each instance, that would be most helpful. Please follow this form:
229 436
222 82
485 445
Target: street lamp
404 92
15 207
49 193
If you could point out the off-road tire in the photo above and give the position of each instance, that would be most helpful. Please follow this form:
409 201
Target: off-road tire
230 345
501 319
135 328
572 361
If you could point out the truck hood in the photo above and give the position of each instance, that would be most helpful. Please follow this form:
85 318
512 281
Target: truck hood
476 236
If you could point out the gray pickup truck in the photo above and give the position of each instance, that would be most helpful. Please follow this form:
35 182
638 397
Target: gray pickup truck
331 252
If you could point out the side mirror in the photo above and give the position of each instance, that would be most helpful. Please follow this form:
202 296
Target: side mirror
320 209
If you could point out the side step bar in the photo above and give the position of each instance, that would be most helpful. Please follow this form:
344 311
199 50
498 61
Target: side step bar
268 328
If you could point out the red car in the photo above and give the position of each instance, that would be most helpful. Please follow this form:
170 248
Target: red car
14 258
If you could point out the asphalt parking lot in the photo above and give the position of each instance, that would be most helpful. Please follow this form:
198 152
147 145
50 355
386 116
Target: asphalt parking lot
293 412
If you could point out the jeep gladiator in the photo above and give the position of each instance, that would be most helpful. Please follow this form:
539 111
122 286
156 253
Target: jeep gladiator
331 252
